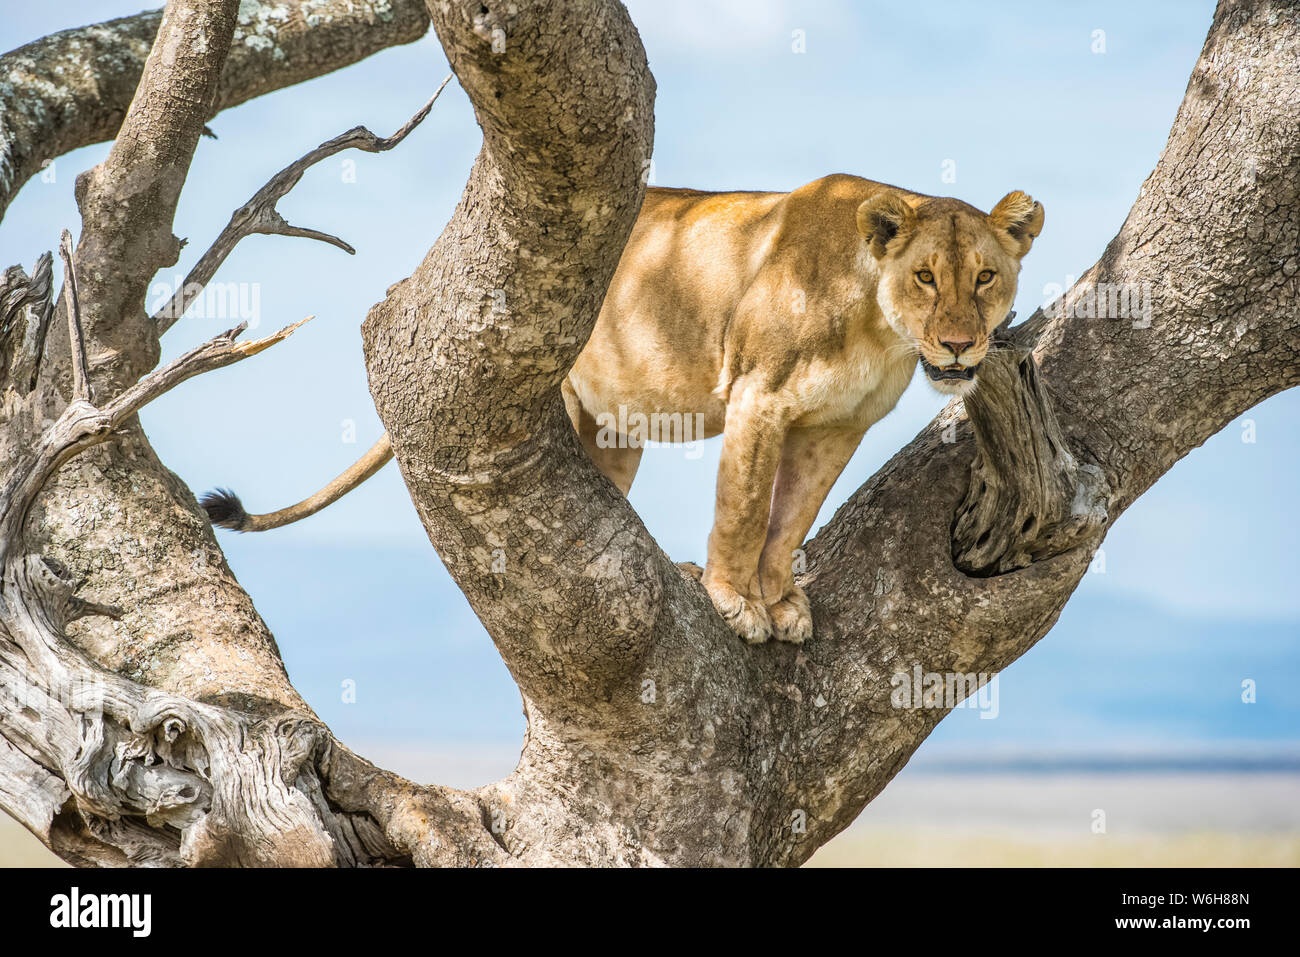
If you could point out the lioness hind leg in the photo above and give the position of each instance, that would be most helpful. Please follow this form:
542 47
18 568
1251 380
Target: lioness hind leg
619 465
617 462
811 460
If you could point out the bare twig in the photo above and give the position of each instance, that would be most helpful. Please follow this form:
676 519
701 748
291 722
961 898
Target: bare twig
77 338
82 426
259 214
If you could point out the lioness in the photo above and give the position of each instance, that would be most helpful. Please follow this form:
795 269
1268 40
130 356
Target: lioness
792 322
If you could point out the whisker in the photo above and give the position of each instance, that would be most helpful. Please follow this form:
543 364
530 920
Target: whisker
909 345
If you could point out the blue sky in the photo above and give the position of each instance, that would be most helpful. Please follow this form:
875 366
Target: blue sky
970 100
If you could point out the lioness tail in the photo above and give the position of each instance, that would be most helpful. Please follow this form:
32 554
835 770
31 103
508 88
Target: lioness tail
225 509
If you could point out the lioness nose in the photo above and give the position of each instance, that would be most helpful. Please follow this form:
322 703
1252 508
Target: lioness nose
957 346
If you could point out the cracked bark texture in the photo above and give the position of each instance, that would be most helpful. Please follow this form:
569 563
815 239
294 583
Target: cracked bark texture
654 737
1029 497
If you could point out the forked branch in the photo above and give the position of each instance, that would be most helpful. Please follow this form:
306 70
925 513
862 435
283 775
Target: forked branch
71 88
114 771
82 425
259 214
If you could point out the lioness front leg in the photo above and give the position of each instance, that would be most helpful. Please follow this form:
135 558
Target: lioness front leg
751 452
811 460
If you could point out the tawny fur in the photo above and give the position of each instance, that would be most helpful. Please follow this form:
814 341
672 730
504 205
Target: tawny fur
792 322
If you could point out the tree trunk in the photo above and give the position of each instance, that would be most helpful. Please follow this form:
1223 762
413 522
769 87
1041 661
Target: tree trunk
654 736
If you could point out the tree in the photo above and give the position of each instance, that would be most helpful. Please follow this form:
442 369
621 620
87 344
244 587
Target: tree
148 718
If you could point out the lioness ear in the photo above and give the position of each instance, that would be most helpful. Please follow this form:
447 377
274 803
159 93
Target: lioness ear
1020 218
883 218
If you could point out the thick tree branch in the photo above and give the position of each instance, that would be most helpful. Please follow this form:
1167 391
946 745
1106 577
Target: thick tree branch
128 202
72 88
489 324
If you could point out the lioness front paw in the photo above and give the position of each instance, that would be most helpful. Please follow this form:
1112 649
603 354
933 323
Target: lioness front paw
748 619
792 618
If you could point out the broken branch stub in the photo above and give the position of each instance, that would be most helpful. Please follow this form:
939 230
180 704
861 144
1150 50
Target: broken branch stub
26 306
1029 497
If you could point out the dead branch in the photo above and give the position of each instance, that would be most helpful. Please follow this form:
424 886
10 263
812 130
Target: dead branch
125 752
80 377
82 425
259 214
1029 498
26 306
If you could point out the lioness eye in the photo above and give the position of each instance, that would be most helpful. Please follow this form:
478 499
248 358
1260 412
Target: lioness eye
985 276
926 277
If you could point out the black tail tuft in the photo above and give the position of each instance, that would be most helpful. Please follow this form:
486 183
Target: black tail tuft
225 509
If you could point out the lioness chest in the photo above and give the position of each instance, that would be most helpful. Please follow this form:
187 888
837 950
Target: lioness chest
853 390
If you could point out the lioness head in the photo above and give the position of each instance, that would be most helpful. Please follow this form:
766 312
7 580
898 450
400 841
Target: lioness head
948 274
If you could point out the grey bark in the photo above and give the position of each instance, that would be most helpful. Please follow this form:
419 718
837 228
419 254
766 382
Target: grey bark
654 737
